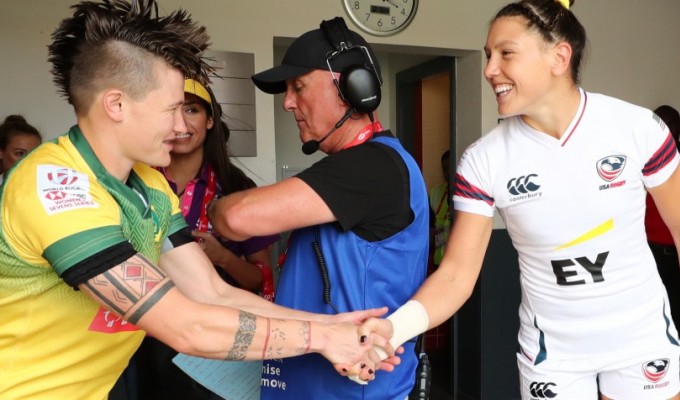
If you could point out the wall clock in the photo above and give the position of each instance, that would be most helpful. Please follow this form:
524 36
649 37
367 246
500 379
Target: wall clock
381 17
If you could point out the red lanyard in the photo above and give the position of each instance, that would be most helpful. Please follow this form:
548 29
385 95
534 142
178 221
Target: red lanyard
202 223
364 134
268 291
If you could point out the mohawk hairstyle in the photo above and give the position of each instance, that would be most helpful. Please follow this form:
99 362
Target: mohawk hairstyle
123 34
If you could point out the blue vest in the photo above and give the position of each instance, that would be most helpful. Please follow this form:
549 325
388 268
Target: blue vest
362 275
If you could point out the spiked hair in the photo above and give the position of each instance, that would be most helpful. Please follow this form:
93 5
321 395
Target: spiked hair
118 43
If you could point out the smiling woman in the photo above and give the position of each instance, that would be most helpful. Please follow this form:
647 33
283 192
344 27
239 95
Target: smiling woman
568 171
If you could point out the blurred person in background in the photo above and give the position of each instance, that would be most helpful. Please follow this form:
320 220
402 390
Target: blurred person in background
17 138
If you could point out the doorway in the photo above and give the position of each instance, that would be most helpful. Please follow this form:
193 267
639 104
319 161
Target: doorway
425 97
426 110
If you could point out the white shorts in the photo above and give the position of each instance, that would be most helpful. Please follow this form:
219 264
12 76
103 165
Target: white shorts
651 376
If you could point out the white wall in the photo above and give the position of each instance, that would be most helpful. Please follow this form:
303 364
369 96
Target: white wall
634 54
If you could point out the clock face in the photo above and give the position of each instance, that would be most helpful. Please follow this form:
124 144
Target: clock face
381 17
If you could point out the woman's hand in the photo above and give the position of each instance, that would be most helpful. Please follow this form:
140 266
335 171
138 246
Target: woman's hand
217 253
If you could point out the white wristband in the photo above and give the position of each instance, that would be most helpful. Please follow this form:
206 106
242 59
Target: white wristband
409 321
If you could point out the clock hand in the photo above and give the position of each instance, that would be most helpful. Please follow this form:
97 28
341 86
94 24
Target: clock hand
392 2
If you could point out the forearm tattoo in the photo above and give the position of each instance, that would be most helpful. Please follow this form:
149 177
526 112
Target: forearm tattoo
131 288
276 338
276 342
243 337
306 333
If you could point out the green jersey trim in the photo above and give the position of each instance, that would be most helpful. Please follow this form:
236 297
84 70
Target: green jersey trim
107 180
69 251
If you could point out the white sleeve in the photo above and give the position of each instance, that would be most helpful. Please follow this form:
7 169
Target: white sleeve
472 189
659 150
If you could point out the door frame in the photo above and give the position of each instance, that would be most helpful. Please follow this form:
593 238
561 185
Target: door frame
409 103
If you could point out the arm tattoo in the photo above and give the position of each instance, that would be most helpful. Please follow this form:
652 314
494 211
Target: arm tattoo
243 337
130 288
306 332
278 336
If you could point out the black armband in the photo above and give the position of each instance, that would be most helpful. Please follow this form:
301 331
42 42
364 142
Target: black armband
97 264
182 236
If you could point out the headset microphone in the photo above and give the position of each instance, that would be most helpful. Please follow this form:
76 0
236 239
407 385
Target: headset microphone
313 145
359 83
310 147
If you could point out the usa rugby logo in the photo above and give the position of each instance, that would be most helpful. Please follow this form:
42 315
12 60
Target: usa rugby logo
610 167
655 370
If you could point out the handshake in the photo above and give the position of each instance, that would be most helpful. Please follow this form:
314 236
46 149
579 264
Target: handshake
408 321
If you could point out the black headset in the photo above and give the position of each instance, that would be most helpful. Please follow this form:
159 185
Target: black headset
359 84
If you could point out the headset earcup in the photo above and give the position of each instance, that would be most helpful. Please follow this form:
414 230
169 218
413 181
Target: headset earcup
360 88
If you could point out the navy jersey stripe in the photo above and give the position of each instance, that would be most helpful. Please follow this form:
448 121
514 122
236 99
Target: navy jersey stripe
661 158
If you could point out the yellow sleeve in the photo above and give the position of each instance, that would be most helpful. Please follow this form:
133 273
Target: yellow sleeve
43 203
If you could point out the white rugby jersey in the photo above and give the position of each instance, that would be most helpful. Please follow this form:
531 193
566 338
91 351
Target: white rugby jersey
574 208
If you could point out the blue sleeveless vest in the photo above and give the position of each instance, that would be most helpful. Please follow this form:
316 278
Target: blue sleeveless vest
362 275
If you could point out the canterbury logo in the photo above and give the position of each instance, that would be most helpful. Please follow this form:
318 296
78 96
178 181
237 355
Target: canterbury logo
542 390
523 185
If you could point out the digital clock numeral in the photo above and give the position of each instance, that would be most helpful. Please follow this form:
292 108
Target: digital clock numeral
380 10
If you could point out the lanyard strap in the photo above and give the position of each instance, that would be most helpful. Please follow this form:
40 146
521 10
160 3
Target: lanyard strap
202 223
268 290
365 134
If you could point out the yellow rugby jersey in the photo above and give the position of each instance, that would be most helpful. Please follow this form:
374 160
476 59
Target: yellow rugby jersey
59 210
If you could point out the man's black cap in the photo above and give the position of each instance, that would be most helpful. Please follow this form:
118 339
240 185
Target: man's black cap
309 52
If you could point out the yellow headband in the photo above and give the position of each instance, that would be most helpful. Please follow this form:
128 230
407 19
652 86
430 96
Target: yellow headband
193 87
565 3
